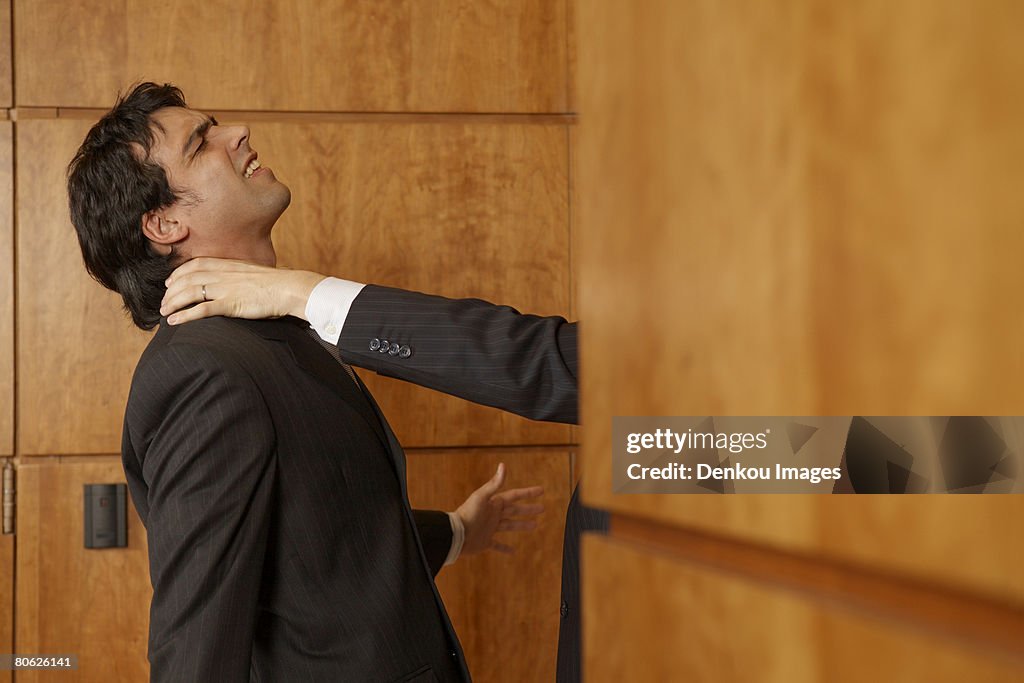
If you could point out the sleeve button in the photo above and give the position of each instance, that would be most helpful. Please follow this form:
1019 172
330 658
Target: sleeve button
374 344
404 352
384 346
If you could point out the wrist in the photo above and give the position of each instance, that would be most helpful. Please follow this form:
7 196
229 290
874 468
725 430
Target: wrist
301 287
458 538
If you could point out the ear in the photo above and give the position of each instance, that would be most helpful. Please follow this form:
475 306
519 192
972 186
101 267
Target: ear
162 231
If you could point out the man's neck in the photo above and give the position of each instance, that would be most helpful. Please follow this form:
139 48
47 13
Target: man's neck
264 255
262 252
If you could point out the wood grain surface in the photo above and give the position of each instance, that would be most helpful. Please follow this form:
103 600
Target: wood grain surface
6 598
504 607
805 208
76 347
6 73
70 599
6 289
299 55
89 602
678 621
823 219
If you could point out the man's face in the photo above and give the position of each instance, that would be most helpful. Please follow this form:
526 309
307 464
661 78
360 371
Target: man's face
227 209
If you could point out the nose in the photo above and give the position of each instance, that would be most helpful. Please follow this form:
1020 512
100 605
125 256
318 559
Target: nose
237 134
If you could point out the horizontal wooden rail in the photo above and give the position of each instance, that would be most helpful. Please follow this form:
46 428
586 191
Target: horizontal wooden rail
978 620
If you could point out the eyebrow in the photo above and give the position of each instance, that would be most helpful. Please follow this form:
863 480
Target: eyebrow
198 132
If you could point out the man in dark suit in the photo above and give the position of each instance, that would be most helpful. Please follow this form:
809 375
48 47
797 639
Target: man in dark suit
282 545
468 348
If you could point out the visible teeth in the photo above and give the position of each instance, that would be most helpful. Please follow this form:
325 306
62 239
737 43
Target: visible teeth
251 168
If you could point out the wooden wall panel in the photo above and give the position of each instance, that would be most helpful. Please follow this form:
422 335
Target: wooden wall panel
464 206
6 290
572 39
653 619
823 220
458 209
6 599
6 73
76 348
495 600
966 542
93 603
305 55
575 237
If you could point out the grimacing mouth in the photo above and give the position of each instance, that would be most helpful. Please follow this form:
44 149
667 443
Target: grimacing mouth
251 165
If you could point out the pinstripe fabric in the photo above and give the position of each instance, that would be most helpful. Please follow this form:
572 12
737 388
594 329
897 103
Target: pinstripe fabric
282 546
483 353
333 350
491 355
434 527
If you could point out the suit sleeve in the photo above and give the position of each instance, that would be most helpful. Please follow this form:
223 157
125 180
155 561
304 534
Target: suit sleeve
435 531
210 471
469 348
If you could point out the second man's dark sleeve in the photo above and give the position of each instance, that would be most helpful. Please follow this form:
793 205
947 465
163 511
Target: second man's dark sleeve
469 348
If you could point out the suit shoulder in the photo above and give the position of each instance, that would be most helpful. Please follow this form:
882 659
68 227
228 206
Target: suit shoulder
212 333
208 348
218 337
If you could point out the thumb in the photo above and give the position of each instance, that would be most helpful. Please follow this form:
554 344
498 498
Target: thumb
496 482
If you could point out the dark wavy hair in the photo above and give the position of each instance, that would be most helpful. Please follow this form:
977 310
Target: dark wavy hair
112 184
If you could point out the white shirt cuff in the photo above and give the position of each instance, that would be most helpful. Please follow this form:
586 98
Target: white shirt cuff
328 306
458 538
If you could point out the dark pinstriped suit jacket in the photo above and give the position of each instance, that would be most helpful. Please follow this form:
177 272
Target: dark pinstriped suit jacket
491 355
281 542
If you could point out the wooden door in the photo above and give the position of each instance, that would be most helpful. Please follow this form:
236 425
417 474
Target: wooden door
797 208
71 599
6 351
6 599
6 290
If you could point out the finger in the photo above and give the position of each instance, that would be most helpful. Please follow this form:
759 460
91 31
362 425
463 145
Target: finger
182 296
181 271
529 510
179 297
195 313
517 525
513 495
204 277
192 267
502 548
188 281
495 483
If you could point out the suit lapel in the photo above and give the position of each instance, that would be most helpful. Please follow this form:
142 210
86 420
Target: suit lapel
317 362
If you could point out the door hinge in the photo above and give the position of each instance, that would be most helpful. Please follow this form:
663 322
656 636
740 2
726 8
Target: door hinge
9 494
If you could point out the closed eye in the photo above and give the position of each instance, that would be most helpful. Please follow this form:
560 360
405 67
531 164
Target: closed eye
202 145
201 132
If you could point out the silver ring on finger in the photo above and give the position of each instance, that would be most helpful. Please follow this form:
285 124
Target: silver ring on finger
204 293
